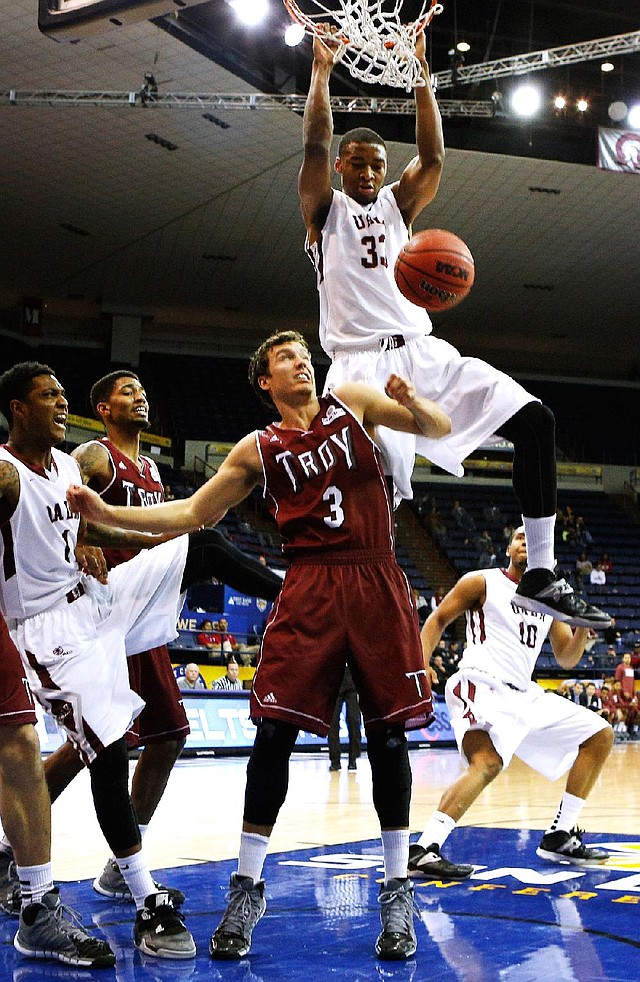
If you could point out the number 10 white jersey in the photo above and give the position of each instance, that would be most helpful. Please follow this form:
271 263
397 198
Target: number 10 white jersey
504 639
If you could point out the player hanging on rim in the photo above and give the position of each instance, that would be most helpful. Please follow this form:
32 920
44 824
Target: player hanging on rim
369 330
497 712
322 477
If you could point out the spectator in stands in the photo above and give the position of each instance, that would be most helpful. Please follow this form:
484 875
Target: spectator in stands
439 675
492 515
228 641
421 603
488 559
437 527
598 579
612 635
230 681
168 493
578 694
583 569
462 518
208 637
436 599
605 563
483 541
583 536
192 679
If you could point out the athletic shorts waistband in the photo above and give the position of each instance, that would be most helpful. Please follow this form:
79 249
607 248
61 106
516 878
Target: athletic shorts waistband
346 557
387 343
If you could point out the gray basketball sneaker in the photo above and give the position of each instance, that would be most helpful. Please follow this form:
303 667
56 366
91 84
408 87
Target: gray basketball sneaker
10 894
567 847
50 930
397 940
232 937
159 930
111 883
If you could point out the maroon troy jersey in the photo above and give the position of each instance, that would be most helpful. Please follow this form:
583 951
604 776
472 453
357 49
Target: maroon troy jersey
325 486
130 485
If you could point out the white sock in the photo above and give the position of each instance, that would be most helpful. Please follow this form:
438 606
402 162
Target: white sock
35 881
143 829
253 852
539 533
438 830
568 813
395 852
137 877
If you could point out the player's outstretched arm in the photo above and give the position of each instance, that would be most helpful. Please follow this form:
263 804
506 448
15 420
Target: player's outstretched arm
239 473
467 594
419 182
314 179
399 409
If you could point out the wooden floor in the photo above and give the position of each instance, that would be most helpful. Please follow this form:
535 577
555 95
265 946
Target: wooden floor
199 817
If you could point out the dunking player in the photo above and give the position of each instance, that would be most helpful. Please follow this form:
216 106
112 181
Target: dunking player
369 330
26 814
72 632
323 480
115 468
497 711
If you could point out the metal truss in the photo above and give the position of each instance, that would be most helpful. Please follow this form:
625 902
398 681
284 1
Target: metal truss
403 106
569 54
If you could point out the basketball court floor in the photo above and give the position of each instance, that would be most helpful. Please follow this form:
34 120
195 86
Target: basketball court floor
518 919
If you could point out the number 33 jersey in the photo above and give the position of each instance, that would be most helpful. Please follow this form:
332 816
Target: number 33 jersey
504 639
325 486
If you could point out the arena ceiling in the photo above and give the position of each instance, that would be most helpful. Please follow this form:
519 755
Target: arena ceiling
112 206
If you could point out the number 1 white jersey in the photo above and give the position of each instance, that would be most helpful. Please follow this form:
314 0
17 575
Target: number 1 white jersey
504 639
354 258
38 564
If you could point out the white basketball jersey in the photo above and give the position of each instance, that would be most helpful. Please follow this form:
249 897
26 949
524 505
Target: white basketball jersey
37 558
504 639
354 258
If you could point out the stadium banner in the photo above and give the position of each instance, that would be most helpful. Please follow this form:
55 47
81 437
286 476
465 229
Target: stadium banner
220 722
619 150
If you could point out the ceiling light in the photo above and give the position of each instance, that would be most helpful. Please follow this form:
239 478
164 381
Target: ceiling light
293 35
463 46
582 105
634 117
559 102
617 111
525 100
250 12
606 66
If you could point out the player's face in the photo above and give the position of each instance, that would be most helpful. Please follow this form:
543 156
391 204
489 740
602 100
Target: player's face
44 412
127 404
517 550
290 371
362 167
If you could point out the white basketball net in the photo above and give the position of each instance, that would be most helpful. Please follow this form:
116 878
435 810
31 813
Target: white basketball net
373 44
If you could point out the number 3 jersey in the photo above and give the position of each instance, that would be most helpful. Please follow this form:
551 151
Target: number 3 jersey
504 639
325 486
354 258
37 553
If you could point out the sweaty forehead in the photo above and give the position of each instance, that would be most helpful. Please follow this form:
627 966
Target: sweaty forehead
369 150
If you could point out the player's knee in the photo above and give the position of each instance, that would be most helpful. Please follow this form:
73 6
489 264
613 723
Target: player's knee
19 751
487 763
268 771
600 743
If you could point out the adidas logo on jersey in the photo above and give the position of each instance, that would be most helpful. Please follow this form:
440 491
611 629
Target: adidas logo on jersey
270 697
333 412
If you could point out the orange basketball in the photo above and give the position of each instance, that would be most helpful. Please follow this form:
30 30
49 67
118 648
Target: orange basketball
435 269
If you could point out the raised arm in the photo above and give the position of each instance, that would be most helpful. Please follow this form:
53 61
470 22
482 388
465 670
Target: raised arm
467 594
399 409
314 179
568 646
239 473
419 182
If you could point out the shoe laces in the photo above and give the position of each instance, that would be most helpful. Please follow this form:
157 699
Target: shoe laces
69 922
243 911
397 910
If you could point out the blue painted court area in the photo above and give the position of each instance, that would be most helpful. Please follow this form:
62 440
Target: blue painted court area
517 919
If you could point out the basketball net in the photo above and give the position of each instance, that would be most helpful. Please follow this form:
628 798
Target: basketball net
372 42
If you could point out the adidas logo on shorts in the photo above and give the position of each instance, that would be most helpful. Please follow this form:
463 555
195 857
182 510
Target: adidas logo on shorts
270 697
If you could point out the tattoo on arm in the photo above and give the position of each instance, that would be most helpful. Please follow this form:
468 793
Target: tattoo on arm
9 490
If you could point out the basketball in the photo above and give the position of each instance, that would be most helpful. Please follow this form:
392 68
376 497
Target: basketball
435 269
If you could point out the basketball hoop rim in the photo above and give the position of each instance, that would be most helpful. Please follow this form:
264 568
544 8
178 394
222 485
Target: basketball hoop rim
311 27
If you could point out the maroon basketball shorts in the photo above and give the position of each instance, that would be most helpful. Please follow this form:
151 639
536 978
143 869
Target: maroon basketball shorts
352 609
16 702
163 717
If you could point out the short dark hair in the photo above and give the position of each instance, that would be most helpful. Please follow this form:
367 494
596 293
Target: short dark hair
102 389
362 134
259 363
17 382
